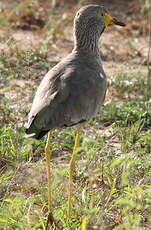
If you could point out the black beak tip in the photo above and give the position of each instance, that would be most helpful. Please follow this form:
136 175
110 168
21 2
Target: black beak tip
121 24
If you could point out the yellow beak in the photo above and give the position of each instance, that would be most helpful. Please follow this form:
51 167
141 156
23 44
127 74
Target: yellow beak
112 21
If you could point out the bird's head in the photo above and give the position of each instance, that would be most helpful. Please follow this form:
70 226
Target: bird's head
94 18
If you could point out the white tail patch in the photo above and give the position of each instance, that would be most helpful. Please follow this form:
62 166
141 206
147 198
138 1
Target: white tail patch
29 135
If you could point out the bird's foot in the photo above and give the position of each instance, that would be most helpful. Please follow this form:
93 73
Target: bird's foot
52 222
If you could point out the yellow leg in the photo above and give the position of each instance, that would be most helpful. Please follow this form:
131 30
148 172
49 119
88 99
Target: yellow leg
48 157
72 168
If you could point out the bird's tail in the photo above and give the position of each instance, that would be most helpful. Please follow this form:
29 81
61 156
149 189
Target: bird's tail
32 131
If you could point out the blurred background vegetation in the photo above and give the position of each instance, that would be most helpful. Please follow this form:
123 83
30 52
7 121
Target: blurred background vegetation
113 189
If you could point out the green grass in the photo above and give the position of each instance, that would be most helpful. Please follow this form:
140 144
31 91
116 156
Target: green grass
129 83
112 184
113 168
126 112
113 173
33 63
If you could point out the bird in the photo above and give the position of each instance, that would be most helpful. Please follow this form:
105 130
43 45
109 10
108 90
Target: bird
72 92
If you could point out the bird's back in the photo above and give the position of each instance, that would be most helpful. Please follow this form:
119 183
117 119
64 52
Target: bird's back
69 94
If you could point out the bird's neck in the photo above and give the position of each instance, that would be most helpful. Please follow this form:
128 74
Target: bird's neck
87 42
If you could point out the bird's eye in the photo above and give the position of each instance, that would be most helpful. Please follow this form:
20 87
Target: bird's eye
102 14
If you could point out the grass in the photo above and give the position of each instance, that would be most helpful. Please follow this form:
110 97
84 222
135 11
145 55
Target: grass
113 174
112 188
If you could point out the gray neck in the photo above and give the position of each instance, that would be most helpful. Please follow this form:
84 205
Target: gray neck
87 41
